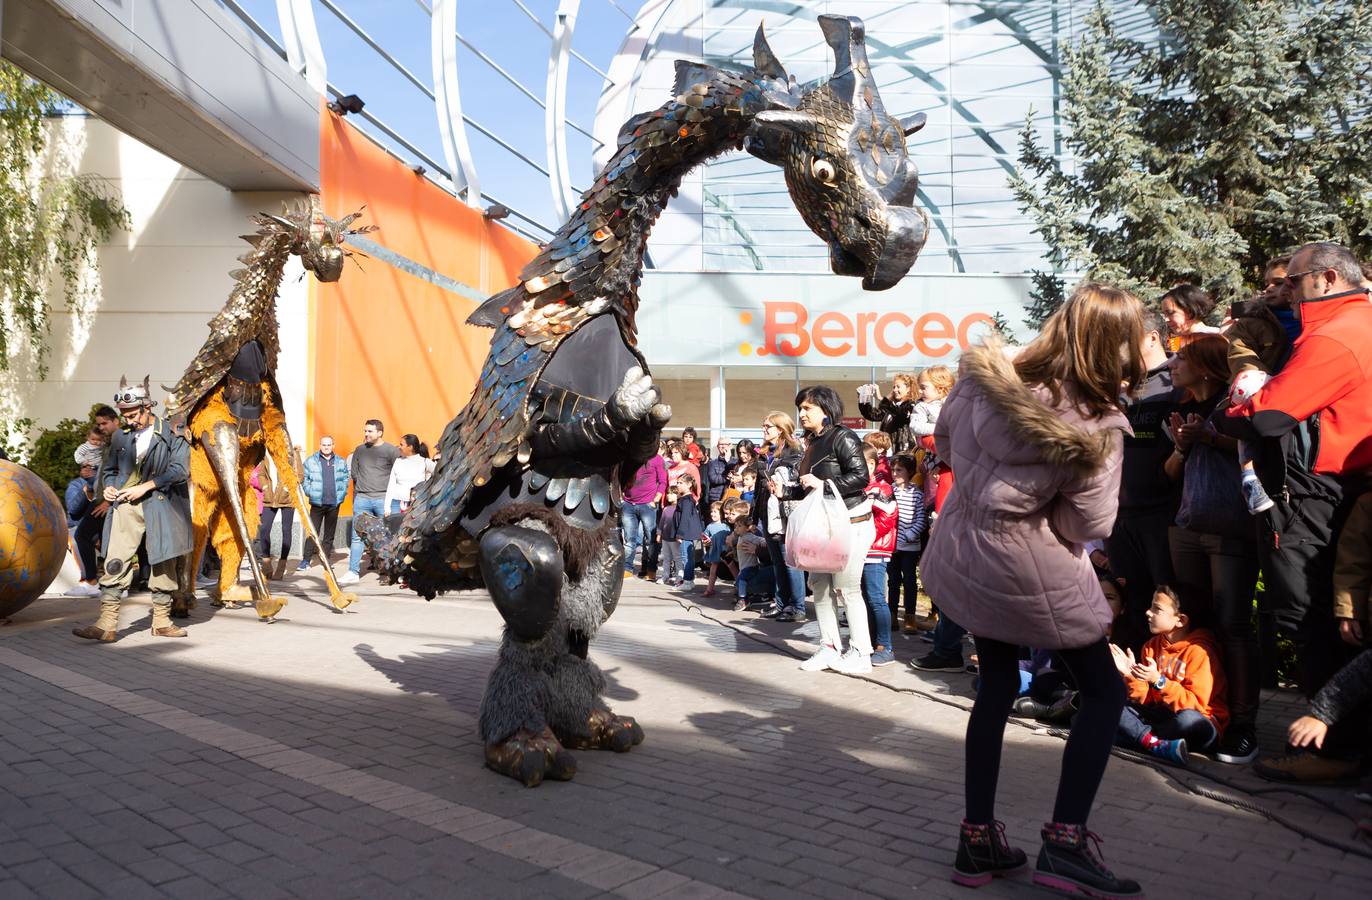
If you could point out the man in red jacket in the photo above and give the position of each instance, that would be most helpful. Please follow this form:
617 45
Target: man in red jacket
1313 422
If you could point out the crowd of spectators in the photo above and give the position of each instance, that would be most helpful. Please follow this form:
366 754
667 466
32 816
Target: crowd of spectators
1225 512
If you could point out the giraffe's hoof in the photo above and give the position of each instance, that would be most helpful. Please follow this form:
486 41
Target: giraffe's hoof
235 596
342 600
268 607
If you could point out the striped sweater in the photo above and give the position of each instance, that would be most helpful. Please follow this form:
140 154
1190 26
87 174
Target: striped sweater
910 503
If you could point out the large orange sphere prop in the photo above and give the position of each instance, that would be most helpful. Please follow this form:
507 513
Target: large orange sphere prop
33 537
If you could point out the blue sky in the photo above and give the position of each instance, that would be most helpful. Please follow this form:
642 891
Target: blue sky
505 34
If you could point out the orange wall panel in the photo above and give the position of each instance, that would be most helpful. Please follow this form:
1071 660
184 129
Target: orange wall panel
387 344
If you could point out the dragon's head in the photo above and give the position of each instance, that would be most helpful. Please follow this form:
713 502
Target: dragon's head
845 161
316 238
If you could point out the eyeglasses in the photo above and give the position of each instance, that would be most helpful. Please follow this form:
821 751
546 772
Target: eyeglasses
1293 280
768 426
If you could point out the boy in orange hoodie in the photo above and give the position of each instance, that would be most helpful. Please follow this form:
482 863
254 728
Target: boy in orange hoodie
1177 691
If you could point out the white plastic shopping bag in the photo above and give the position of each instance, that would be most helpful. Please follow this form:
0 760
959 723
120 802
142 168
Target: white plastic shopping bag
818 533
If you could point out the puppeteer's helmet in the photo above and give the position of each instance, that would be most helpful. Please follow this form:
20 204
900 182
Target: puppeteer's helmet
133 396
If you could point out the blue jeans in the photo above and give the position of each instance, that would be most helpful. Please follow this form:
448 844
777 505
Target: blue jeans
874 595
638 521
790 582
395 508
377 507
756 580
948 636
1187 724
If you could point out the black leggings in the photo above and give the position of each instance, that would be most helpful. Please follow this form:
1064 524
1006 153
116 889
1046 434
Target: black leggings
1088 748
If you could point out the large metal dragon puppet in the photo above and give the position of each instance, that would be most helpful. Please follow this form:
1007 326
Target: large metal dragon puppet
525 500
232 404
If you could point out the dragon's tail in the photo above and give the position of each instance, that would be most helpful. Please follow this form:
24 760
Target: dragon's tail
381 542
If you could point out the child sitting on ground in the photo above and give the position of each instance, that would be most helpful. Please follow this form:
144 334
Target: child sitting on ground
884 517
1177 691
715 533
753 577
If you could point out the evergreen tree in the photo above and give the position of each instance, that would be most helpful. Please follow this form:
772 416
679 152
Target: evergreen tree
1243 130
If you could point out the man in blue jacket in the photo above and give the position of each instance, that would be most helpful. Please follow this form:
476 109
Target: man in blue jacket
326 484
144 476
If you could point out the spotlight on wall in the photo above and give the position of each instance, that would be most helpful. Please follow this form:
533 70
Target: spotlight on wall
348 103
418 170
496 211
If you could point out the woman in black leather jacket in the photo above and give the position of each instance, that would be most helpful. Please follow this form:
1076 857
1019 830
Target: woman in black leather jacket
834 453
779 456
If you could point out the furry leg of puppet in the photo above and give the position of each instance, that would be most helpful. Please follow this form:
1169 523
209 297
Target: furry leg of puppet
578 715
222 446
543 691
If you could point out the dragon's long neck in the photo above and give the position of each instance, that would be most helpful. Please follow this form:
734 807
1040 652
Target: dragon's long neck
251 308
600 249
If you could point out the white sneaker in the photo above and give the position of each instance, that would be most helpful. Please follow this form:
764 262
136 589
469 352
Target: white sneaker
825 657
205 581
853 662
83 590
349 577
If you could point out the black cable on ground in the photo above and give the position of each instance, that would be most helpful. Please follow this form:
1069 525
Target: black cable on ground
1173 773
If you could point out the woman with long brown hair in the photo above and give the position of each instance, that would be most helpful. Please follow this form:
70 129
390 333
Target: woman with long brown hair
1213 542
1036 444
779 456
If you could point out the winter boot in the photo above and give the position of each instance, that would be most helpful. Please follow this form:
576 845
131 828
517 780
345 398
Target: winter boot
162 625
983 854
104 628
1068 862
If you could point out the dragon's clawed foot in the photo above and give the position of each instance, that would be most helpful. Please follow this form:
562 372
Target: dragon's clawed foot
609 732
234 597
529 758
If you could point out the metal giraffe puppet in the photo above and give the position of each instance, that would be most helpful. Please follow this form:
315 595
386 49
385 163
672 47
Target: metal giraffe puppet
232 403
526 497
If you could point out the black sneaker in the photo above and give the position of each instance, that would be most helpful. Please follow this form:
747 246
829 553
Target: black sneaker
771 612
1068 863
1029 707
786 615
938 662
983 854
1239 746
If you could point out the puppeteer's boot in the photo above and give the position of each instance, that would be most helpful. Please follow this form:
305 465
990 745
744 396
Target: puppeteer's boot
281 570
162 625
104 628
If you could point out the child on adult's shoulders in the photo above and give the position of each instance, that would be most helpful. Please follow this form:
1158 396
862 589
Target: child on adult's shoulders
882 442
1177 690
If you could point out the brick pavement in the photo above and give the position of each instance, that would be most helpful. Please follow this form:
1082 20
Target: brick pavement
336 756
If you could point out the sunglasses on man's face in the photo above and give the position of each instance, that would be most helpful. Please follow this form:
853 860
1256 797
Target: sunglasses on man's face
1293 280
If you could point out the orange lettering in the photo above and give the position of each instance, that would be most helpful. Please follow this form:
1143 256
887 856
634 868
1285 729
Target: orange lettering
933 326
833 326
879 334
966 326
864 322
774 329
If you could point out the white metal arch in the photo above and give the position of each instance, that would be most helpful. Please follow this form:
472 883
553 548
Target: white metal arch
452 129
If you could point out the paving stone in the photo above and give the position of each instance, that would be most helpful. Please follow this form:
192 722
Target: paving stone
355 770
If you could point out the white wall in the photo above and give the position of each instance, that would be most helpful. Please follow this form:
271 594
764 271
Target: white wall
157 286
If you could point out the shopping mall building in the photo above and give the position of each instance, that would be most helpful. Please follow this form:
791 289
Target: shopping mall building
481 123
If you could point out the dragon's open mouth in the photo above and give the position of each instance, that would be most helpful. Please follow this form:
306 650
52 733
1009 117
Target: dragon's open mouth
906 230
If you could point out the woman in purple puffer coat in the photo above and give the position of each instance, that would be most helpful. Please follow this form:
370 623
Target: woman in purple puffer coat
1035 443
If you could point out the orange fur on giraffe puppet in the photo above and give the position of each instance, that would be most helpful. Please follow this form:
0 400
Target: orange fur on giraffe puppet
232 405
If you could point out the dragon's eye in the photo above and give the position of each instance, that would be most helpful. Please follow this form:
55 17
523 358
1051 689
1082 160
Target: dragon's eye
823 170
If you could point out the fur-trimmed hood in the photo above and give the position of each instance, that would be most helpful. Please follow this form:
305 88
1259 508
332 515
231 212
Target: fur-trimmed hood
1033 430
